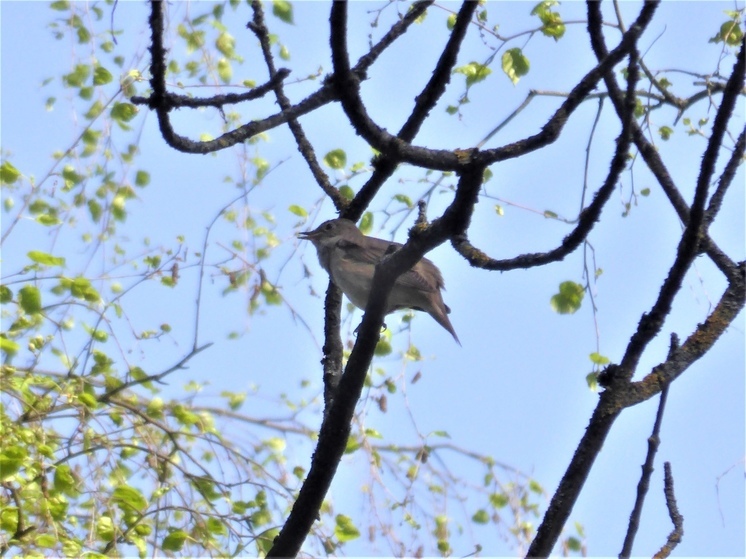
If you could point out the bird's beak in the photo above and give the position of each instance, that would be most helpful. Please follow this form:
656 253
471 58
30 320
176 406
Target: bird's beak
308 235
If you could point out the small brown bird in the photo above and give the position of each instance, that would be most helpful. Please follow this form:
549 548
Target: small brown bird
350 258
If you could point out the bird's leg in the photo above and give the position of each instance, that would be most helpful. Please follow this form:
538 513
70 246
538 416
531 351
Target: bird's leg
383 328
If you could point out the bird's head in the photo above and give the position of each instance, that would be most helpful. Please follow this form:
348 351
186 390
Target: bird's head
330 232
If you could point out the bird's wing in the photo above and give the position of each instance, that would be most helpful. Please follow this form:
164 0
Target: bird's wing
424 275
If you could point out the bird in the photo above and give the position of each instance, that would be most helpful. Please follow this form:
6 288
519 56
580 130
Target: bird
350 258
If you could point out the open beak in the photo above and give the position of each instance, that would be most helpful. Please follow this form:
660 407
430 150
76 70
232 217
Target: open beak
308 235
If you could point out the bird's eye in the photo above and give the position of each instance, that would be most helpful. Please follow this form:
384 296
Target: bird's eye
328 226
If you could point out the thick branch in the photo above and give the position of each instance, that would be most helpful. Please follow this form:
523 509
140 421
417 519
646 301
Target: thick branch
259 27
588 218
386 164
335 429
651 323
348 85
650 154
175 101
605 414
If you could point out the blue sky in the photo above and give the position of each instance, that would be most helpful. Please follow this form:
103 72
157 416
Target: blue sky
516 389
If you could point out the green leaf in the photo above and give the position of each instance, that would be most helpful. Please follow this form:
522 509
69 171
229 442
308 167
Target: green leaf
592 380
730 33
48 220
474 72
95 209
78 76
225 70
104 528
366 223
499 500
383 347
10 348
271 295
298 210
118 207
645 192
404 199
129 499
64 480
174 541
46 259
266 540
84 35
345 530
515 64
216 527
552 25
665 132
599 359
346 192
481 517
283 10
8 173
451 22
95 110
336 159
11 460
9 519
101 76
47 541
60 5
569 298
226 44
574 544
123 112
142 178
6 295
29 298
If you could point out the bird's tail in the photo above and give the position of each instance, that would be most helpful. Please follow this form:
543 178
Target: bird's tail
440 314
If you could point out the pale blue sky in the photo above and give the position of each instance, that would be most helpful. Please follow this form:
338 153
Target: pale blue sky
516 389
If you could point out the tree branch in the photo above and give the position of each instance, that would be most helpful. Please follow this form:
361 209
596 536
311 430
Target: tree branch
647 468
673 512
605 413
650 154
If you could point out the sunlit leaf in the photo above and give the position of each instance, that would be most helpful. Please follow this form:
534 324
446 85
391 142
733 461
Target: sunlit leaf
283 10
474 72
366 223
336 159
174 541
46 259
298 210
515 64
29 298
101 76
569 298
8 173
345 529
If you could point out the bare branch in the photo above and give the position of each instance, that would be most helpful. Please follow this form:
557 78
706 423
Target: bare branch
673 511
647 467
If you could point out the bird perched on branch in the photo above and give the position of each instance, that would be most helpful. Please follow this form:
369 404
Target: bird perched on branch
350 259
